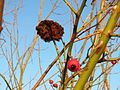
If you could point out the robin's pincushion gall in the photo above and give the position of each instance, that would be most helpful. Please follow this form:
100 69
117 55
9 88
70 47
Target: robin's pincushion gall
73 65
49 30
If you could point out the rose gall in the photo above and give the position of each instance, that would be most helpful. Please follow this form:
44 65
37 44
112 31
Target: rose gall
49 30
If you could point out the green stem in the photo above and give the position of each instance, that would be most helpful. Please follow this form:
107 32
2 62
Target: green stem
100 49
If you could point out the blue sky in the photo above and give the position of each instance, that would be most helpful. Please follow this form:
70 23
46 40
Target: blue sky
26 21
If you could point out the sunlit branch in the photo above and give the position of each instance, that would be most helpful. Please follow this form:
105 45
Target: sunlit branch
70 6
1 13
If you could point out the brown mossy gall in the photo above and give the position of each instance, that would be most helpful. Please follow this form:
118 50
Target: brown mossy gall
49 30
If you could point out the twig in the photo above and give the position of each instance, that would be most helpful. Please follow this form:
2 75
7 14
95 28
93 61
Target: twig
78 14
104 40
1 13
72 9
5 81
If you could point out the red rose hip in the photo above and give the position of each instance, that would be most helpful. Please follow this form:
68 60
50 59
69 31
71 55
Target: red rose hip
55 85
51 81
113 62
73 65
